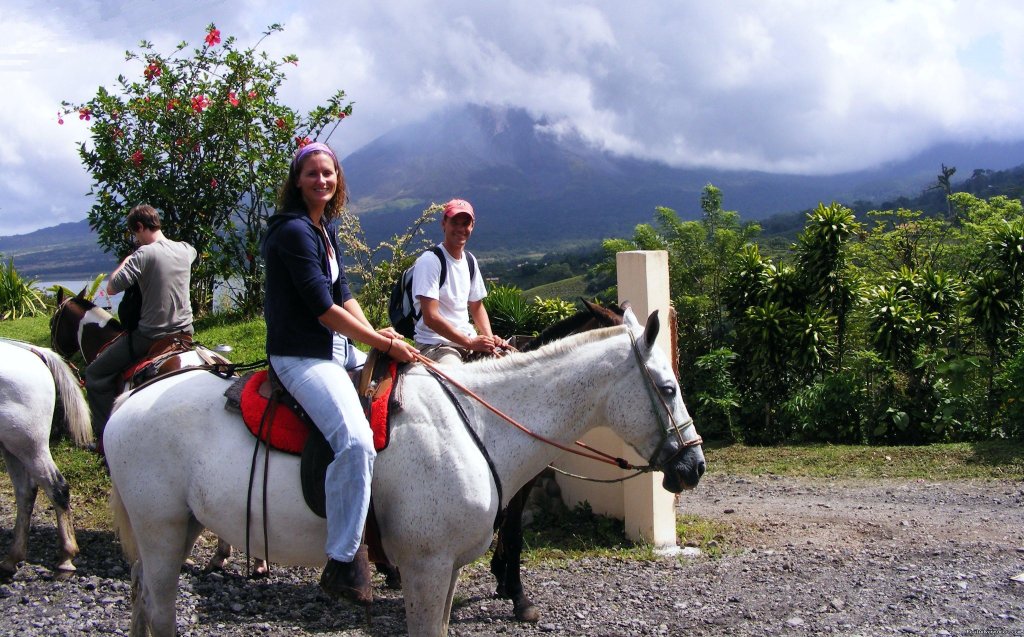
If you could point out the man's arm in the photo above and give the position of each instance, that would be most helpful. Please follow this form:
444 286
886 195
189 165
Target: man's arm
483 322
431 311
111 290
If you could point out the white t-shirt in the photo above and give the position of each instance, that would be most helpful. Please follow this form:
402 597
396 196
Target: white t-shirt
453 299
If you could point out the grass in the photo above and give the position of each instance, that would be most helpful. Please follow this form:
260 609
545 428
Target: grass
569 289
247 338
991 459
33 329
90 486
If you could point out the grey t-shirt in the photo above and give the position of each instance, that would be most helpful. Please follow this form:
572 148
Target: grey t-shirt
163 270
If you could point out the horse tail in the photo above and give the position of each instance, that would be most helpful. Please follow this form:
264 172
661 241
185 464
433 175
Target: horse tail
123 526
76 410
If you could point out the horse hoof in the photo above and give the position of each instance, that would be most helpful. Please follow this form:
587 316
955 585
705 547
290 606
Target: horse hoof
526 611
7 573
63 574
261 572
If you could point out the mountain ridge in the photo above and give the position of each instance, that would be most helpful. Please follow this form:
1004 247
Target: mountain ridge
537 191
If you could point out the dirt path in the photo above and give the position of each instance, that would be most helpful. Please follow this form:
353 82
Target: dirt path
865 557
805 557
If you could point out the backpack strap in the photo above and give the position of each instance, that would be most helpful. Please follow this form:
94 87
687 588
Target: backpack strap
444 265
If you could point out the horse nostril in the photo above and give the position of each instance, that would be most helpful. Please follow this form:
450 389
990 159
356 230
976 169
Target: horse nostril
701 467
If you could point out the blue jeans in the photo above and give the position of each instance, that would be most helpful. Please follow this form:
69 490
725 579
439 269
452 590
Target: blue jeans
324 390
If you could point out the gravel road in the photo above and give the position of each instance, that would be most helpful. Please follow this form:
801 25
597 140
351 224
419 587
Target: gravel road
803 557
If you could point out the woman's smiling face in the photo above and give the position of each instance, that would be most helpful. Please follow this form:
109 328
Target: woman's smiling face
317 181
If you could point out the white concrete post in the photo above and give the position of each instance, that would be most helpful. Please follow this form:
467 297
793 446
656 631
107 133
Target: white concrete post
647 509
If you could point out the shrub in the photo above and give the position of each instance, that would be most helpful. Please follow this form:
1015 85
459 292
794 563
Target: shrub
17 296
509 312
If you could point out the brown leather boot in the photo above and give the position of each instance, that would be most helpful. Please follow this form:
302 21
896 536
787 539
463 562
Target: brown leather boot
349 580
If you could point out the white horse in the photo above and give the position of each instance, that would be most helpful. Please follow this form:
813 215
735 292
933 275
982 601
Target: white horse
180 463
31 379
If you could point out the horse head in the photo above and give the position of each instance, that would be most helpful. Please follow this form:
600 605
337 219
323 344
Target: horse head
673 447
78 324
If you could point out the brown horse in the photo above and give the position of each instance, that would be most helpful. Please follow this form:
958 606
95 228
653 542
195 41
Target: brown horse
79 325
506 561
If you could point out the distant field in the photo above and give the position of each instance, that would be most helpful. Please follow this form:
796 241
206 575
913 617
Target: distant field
569 289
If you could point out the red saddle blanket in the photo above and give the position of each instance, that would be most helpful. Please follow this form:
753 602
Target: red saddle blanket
288 432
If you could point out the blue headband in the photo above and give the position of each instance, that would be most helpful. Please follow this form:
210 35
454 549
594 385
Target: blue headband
310 148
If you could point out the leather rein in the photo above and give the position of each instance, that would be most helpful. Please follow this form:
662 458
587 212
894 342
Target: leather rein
667 430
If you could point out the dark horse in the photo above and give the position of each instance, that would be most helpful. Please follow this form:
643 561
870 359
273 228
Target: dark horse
507 558
81 325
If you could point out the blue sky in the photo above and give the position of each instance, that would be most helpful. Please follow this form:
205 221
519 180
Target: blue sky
797 86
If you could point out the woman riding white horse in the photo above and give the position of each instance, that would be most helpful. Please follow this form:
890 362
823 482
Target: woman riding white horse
180 463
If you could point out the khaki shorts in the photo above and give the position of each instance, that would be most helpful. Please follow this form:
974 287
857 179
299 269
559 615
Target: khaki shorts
445 354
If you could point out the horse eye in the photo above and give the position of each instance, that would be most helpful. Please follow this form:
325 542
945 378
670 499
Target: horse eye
668 391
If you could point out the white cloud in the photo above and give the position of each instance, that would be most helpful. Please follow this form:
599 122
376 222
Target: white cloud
789 86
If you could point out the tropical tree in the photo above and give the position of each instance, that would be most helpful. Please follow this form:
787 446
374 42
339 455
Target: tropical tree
201 136
822 260
700 256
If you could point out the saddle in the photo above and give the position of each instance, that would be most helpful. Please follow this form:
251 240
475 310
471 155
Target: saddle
278 420
167 355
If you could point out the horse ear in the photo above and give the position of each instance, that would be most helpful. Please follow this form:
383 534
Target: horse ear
81 294
651 331
629 320
60 295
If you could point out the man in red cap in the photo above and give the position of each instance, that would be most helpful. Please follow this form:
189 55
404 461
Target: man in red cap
444 332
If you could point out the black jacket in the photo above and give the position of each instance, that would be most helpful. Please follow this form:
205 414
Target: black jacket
298 286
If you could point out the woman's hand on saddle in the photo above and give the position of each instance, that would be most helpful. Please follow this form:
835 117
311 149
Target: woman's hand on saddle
402 351
396 346
390 332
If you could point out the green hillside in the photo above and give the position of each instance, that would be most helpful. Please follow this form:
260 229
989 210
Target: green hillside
569 289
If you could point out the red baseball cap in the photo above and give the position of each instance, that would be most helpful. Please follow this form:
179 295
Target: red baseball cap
458 206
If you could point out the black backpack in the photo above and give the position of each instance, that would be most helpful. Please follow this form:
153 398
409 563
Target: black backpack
401 306
129 310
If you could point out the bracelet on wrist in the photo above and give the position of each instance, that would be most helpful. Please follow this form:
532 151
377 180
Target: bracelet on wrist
391 342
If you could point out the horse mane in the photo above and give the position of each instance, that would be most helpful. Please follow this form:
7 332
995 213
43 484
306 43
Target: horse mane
83 302
558 331
512 363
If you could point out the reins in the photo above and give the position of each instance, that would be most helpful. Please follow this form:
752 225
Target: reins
622 463
595 454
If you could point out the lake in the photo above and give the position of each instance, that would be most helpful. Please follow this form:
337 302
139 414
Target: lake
108 303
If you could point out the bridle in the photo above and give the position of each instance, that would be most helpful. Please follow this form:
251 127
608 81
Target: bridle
668 431
55 323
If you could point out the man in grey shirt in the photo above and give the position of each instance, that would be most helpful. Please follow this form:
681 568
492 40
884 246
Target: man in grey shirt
162 268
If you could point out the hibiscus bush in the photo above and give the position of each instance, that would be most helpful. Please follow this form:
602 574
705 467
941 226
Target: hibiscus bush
201 136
